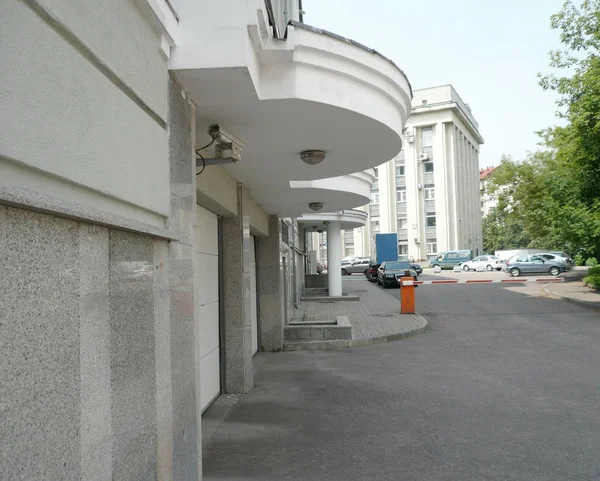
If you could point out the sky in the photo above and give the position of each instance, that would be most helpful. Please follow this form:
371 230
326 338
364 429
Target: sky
490 51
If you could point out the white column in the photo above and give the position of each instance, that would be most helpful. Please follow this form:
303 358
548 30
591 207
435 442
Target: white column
334 259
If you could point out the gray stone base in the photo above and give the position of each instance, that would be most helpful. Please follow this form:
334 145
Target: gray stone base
329 298
342 344
318 331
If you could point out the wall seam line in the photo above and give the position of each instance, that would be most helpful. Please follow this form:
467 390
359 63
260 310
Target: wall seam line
63 31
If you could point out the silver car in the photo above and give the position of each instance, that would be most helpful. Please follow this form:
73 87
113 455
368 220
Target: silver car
359 266
526 264
555 257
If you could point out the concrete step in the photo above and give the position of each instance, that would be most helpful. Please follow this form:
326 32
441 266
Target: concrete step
311 331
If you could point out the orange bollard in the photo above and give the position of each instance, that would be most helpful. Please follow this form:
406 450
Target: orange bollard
407 295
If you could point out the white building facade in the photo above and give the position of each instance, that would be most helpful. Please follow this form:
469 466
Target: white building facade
145 260
489 201
430 192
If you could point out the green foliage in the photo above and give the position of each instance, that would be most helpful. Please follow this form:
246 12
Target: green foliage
591 262
593 281
579 260
577 144
503 231
594 271
551 200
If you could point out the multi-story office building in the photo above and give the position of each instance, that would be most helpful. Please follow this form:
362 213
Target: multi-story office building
429 193
146 254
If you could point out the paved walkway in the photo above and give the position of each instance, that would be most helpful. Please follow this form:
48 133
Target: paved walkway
573 290
375 315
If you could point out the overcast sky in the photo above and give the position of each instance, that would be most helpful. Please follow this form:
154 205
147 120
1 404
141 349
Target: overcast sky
490 51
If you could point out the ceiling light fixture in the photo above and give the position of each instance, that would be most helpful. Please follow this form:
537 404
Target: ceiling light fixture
316 206
312 157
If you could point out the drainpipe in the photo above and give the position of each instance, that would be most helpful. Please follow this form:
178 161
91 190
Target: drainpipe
294 273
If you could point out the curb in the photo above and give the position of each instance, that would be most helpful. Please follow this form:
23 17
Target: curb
587 305
344 344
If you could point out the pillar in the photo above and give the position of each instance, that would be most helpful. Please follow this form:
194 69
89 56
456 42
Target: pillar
179 421
334 259
270 288
237 317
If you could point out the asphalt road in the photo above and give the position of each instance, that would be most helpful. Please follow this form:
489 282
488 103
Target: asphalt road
503 386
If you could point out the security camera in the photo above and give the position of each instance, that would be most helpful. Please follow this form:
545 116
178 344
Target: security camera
227 145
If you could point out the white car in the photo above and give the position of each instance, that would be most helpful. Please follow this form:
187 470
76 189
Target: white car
489 263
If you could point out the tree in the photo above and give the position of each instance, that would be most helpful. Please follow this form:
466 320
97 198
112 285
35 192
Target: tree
537 207
554 194
503 231
577 145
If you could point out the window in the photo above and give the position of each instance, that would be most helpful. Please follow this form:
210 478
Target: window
374 198
428 167
403 248
375 225
427 137
399 171
429 193
423 103
401 195
431 246
430 218
402 223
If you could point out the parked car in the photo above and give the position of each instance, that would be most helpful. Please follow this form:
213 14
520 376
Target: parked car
525 264
489 263
554 257
320 268
450 259
390 271
359 266
372 271
564 255
413 264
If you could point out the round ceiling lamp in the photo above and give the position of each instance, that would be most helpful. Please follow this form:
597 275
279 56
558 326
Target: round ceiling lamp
312 157
316 206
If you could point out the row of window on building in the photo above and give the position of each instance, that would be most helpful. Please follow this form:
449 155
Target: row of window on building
431 247
428 194
427 168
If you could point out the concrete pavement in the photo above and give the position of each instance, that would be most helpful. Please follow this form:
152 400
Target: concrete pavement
503 386
571 290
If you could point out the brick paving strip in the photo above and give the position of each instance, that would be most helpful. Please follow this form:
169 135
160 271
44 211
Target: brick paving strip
375 315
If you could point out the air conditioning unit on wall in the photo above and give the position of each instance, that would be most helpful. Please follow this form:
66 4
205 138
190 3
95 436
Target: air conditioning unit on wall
409 135
423 157
417 240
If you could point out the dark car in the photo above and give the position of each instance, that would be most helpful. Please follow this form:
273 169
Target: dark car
413 264
372 271
417 267
389 272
